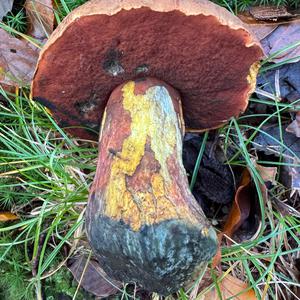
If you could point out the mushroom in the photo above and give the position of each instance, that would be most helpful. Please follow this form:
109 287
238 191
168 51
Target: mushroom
150 70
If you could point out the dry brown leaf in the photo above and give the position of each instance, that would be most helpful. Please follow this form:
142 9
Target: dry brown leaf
268 174
17 60
231 287
7 216
294 127
41 17
92 277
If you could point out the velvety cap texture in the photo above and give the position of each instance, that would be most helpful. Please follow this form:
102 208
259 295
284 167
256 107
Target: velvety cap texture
200 49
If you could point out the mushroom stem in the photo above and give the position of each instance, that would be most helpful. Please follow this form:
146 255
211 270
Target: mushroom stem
141 210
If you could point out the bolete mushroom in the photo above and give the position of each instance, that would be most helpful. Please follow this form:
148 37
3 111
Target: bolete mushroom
148 69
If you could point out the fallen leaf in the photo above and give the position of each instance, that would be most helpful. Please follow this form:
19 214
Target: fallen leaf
240 211
268 141
241 206
243 220
261 30
92 278
229 286
5 7
268 174
294 127
17 60
7 216
286 77
276 29
41 17
280 38
233 288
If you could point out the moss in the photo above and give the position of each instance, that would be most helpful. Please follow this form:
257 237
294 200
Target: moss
14 274
60 283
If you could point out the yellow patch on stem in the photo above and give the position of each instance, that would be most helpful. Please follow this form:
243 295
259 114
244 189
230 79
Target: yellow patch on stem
153 121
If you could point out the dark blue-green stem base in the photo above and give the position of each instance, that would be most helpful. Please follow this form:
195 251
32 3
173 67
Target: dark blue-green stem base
160 257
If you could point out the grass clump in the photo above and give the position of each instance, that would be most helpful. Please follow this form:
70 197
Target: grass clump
241 5
17 21
41 182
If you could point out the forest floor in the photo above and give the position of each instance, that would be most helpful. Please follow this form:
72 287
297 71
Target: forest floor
246 174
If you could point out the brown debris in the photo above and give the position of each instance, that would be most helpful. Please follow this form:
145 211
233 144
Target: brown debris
270 13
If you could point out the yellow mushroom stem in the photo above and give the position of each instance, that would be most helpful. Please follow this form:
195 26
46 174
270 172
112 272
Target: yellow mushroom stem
141 184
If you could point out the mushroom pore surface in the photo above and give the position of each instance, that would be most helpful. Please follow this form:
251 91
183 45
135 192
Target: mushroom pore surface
206 61
142 221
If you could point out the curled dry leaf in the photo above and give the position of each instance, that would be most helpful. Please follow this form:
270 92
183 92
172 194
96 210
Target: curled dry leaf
17 60
233 288
41 17
239 212
7 216
5 7
92 278
243 219
241 206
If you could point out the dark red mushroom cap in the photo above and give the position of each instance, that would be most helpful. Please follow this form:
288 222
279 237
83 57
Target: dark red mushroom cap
200 49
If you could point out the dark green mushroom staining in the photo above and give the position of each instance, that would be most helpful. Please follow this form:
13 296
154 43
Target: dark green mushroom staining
141 72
